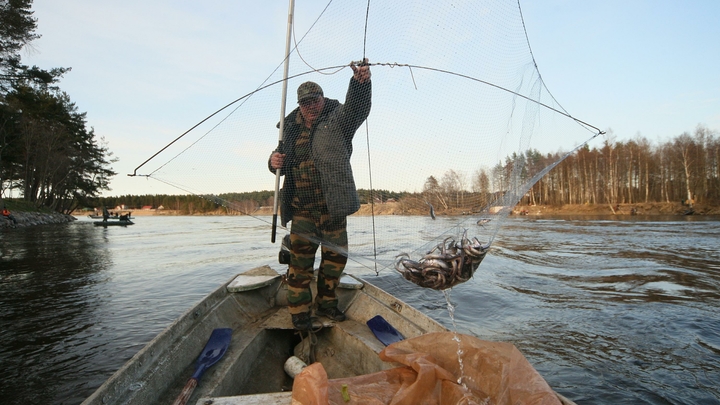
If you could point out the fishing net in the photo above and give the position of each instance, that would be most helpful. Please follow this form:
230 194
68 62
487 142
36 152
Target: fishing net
459 123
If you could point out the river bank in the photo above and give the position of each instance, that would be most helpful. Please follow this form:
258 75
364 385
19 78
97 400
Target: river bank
620 209
400 208
32 218
29 218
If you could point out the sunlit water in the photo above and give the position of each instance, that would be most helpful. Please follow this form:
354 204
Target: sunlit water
609 312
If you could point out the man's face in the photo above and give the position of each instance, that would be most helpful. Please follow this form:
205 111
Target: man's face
311 108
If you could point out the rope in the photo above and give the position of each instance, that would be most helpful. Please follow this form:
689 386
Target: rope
309 348
532 55
367 141
367 14
372 199
337 69
297 50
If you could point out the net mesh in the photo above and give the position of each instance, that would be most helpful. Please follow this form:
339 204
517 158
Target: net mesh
459 117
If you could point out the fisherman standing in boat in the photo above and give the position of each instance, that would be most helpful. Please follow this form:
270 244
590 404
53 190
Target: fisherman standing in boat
319 190
106 214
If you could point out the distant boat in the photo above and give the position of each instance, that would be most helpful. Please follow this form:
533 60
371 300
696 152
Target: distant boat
110 217
120 222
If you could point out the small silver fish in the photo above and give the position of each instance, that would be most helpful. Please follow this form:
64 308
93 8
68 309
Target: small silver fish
432 210
483 221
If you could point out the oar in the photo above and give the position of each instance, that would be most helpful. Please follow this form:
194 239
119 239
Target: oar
383 331
213 351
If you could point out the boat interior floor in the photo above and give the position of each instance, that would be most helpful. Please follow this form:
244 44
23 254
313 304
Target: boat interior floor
264 338
254 362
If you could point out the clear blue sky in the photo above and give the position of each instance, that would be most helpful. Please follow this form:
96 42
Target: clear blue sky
145 71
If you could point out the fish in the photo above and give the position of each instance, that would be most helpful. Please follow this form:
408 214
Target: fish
483 221
445 265
432 210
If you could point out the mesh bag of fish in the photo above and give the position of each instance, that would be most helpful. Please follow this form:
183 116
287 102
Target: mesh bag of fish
446 265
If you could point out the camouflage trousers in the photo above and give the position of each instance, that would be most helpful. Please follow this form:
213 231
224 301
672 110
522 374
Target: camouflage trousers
302 260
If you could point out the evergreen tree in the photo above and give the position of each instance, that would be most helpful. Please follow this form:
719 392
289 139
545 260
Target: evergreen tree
46 150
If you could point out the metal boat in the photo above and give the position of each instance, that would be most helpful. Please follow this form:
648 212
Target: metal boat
121 222
253 369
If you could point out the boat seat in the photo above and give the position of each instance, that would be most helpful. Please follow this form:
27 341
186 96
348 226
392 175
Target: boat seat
362 333
260 277
254 279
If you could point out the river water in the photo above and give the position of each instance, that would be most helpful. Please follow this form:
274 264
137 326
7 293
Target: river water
608 311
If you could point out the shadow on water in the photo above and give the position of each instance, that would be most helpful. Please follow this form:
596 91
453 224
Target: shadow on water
47 280
78 301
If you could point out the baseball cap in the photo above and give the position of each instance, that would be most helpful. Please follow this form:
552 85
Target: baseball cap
309 90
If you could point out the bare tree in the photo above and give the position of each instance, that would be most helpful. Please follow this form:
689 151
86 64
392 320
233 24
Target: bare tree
451 186
481 186
684 145
433 192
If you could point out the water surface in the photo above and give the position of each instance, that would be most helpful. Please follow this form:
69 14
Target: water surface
609 312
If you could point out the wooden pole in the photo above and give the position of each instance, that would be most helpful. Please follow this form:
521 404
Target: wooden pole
291 9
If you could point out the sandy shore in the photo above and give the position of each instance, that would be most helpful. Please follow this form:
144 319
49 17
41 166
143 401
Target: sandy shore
568 209
620 209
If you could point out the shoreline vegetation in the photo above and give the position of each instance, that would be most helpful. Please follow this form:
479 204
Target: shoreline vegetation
398 208
31 217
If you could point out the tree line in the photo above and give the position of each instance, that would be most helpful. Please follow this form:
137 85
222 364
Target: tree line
685 169
244 203
48 155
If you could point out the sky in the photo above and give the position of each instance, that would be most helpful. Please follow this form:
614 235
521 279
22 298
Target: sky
145 72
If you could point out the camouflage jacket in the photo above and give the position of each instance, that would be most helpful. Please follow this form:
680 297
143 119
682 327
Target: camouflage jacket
331 147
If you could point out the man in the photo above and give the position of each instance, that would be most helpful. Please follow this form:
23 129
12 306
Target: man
7 215
319 190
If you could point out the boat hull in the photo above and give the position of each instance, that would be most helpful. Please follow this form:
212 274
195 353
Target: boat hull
252 371
113 223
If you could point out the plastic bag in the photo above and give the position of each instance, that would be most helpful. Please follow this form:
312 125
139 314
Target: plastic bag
493 373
